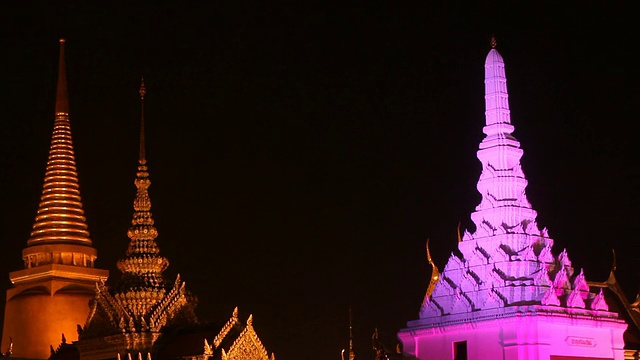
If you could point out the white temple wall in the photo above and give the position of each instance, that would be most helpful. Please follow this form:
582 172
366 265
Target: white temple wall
535 337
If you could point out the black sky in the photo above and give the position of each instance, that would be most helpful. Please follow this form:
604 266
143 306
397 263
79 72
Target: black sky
302 153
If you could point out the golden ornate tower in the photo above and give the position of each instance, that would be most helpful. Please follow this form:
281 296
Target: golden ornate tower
128 319
51 295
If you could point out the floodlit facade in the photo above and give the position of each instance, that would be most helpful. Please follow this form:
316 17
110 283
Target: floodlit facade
505 294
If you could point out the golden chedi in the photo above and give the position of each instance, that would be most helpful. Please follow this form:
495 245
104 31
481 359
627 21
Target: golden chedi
51 295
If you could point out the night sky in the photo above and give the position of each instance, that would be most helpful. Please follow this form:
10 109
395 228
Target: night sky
302 153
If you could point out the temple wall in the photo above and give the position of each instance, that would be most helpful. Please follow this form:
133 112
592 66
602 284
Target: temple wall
36 321
521 338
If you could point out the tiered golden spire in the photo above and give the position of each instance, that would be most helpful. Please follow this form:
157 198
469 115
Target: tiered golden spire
140 304
142 266
60 218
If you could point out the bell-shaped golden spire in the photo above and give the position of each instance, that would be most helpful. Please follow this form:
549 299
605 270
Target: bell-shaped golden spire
60 218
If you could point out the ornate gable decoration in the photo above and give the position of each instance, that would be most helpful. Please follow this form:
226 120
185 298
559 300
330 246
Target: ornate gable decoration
242 341
247 346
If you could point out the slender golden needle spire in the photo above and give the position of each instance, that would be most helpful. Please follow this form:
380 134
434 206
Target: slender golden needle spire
143 265
143 91
60 218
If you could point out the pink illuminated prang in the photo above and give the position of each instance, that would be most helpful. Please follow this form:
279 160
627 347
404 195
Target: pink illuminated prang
508 296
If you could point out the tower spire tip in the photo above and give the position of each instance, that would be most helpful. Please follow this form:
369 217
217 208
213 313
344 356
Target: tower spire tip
143 90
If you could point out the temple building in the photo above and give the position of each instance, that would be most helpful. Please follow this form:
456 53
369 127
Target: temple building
61 306
505 294
51 295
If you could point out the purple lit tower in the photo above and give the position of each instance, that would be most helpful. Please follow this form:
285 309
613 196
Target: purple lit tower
506 295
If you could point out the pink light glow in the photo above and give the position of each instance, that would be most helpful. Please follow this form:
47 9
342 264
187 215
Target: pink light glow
508 296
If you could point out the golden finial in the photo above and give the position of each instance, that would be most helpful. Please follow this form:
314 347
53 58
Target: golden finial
143 91
459 237
494 42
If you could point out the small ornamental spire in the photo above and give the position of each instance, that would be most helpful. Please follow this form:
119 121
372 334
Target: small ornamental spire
494 42
60 218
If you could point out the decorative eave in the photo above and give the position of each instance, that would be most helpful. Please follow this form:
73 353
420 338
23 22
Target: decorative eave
231 323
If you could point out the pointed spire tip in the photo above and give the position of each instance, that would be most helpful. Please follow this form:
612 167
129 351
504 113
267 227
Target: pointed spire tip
143 90
62 40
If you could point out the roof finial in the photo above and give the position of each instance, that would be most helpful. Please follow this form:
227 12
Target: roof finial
143 91
614 265
435 273
352 354
62 101
494 42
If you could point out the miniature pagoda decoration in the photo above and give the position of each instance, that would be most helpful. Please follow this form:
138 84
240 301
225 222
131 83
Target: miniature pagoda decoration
142 305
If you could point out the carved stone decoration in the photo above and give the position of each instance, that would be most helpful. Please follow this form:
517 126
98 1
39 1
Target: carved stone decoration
430 308
561 282
580 284
546 256
574 300
542 278
563 258
550 298
493 300
599 303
